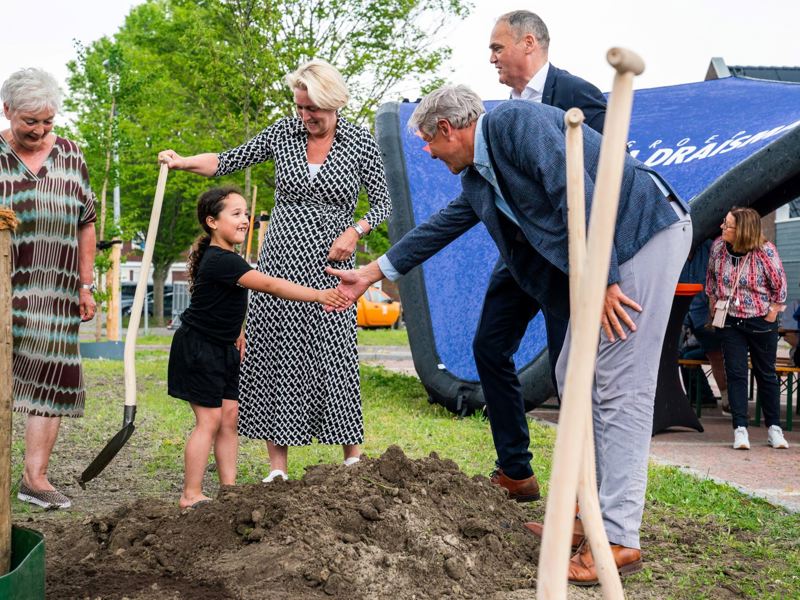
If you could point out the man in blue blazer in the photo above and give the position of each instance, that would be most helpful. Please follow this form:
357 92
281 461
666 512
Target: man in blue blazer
512 165
518 49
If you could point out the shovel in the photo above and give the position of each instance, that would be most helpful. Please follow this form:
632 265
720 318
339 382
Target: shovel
116 443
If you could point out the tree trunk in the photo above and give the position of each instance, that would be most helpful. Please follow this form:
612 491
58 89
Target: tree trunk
160 273
98 334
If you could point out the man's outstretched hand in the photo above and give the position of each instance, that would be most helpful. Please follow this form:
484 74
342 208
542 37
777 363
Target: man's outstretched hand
353 284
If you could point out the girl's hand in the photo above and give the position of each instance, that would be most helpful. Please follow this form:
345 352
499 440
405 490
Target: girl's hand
344 246
172 159
333 298
240 345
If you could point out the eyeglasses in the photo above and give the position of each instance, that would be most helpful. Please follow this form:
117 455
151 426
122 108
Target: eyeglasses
725 226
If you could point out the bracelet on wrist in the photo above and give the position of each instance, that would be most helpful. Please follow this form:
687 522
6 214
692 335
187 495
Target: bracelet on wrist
359 230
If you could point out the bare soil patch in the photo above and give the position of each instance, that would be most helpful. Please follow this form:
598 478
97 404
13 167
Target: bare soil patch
388 527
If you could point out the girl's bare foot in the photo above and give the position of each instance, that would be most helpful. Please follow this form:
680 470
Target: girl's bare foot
193 501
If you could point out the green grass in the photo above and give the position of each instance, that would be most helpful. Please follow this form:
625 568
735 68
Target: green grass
153 340
366 337
738 533
383 337
700 537
396 411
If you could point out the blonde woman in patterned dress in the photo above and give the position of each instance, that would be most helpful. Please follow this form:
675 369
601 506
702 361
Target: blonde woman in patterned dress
44 179
299 377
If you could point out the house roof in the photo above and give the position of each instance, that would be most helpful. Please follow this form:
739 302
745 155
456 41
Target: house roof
717 69
771 73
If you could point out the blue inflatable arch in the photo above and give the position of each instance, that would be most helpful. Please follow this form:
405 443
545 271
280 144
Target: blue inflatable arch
721 143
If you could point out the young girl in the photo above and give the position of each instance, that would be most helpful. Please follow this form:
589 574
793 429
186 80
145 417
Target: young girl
206 350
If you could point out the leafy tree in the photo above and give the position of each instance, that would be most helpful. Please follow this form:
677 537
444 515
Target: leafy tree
205 75
94 103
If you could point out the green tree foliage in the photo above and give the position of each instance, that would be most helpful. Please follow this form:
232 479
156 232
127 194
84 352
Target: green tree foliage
206 75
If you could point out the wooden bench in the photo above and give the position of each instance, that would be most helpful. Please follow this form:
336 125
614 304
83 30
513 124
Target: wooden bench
788 380
696 371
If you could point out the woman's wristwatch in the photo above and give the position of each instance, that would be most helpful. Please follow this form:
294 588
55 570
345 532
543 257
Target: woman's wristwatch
359 230
89 286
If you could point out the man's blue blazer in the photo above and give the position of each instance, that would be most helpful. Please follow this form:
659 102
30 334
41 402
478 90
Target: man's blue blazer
526 143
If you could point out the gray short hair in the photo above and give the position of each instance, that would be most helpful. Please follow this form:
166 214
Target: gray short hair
523 22
324 83
457 104
31 89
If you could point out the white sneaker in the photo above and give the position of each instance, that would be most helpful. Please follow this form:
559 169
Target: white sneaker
741 441
275 474
349 462
775 437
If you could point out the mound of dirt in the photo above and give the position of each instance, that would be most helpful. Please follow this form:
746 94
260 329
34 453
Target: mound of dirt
389 527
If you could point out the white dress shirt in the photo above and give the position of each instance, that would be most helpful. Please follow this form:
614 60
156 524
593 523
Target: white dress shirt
535 88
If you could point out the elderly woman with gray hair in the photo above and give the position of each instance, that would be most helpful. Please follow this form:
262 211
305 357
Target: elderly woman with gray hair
44 179
299 377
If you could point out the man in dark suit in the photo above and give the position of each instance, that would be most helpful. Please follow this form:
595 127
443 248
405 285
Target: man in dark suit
519 51
512 164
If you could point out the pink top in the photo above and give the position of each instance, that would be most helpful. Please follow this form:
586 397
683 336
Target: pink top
763 281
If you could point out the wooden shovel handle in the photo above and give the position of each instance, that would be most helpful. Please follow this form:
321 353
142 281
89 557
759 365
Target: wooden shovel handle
129 354
625 61
570 452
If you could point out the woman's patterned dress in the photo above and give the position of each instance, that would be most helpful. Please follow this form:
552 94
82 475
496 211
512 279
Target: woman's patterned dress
299 379
50 206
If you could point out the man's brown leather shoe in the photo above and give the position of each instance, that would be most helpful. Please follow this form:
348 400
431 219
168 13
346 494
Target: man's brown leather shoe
537 529
582 570
521 490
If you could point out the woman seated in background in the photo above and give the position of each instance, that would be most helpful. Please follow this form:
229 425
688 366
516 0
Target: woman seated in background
707 344
745 272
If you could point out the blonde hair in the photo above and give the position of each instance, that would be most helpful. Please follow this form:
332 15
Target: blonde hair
325 85
748 230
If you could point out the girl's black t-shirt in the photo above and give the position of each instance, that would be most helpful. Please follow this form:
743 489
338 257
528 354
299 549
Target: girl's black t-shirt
218 303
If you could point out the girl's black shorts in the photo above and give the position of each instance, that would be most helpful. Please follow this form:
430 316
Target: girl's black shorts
201 371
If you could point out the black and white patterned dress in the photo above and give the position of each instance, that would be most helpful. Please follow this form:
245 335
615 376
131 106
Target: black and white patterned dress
299 379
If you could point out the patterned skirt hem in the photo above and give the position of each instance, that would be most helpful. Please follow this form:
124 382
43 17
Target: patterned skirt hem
308 442
73 412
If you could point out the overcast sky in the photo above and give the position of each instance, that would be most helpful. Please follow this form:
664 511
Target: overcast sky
676 38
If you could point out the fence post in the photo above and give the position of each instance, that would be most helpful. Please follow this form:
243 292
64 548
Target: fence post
8 222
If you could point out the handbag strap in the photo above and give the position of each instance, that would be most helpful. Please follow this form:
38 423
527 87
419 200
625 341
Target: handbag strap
736 282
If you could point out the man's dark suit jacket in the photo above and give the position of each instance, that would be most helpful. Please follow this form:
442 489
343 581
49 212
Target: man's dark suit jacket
564 90
526 143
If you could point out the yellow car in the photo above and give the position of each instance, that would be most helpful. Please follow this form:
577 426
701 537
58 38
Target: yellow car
377 309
